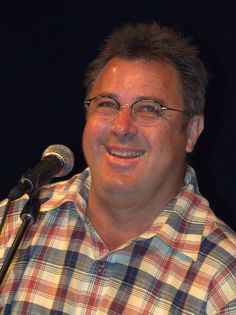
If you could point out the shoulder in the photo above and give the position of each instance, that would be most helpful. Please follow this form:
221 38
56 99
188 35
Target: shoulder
77 183
218 239
218 253
74 189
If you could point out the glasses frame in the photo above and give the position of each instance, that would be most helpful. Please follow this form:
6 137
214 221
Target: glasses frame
87 103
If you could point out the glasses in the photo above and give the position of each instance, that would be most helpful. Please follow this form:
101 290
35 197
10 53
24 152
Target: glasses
145 112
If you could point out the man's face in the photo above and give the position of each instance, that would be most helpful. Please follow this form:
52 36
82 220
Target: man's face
131 159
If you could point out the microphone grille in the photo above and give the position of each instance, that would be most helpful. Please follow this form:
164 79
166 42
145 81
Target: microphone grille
64 154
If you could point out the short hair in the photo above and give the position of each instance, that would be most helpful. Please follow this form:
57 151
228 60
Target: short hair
154 42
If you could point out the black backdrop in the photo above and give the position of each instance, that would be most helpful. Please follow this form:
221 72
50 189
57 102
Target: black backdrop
45 47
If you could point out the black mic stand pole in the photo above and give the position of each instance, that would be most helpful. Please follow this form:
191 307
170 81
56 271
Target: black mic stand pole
28 216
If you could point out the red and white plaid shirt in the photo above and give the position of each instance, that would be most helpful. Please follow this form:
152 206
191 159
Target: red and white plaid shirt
184 264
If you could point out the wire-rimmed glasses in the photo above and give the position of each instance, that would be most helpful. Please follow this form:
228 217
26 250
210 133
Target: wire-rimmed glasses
145 112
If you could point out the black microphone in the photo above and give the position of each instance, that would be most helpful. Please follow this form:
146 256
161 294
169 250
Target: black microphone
57 160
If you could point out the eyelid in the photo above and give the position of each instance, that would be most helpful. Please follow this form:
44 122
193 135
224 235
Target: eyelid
108 98
155 102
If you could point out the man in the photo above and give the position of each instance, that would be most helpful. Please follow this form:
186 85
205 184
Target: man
131 234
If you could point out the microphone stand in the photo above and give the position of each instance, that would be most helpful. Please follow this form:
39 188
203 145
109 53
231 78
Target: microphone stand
5 214
28 216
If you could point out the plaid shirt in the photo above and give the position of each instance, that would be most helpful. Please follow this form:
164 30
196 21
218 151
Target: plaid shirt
184 264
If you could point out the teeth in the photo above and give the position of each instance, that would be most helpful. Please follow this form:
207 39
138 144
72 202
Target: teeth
126 153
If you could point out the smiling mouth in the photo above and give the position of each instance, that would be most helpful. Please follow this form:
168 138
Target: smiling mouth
125 153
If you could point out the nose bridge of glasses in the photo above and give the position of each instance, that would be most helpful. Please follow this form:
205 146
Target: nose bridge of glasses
130 109
126 105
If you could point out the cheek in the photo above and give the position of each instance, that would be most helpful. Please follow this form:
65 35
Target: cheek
158 137
88 137
93 135
166 139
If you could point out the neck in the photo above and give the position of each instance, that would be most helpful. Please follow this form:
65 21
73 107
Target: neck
118 218
117 226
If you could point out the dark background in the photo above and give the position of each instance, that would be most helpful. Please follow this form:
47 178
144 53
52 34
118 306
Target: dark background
44 50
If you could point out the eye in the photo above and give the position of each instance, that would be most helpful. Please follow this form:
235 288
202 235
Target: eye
148 108
106 103
151 108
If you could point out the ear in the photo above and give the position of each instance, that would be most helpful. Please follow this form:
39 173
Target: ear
194 129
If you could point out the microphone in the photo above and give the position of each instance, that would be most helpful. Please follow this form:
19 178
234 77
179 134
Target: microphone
57 160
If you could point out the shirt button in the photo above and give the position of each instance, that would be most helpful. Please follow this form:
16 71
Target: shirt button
101 267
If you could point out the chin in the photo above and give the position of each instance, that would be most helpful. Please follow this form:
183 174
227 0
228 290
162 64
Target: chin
118 185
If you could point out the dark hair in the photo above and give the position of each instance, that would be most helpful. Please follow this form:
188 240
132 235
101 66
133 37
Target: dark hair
162 44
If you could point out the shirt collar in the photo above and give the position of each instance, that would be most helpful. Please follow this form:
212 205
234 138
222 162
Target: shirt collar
73 190
180 225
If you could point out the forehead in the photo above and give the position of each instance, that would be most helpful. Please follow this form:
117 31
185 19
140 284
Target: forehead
138 78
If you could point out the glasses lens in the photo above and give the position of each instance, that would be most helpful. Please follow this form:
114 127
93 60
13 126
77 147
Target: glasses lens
147 112
106 108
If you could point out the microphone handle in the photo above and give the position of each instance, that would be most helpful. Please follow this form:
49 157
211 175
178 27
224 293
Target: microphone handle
36 177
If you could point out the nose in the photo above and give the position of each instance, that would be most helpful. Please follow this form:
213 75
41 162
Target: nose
124 124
